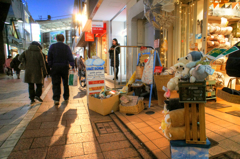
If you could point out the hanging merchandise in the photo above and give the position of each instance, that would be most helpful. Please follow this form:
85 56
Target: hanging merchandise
147 76
155 12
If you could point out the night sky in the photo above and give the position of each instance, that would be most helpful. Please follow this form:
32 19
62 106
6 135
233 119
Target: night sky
50 7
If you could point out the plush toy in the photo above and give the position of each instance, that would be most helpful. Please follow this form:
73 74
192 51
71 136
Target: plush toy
182 60
169 71
175 118
192 57
163 126
173 104
200 72
173 83
174 133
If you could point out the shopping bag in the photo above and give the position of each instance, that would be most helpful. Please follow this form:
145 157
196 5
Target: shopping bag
73 79
6 70
147 76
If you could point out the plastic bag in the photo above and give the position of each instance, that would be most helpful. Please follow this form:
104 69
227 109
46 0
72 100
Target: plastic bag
73 79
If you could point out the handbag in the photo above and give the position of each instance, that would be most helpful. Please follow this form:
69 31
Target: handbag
22 65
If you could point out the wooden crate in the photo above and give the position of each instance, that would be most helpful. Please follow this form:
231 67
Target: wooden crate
195 127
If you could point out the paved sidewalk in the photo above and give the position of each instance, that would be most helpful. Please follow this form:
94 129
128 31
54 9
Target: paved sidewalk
223 128
70 131
15 111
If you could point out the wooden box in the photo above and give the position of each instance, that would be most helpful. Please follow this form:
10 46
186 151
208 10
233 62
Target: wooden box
195 123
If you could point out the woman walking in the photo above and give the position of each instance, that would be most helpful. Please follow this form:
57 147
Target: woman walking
35 70
15 63
111 56
7 65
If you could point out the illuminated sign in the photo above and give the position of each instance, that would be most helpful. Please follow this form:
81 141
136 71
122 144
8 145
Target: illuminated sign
36 34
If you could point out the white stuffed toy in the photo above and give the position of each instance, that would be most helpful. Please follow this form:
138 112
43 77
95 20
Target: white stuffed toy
173 82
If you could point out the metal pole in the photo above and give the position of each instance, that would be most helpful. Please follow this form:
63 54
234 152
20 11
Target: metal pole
205 24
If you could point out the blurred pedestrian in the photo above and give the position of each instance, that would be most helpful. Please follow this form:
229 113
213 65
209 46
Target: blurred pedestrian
111 56
81 67
7 66
14 64
35 70
48 68
59 58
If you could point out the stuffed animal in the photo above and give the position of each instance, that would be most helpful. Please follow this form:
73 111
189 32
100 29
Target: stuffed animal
200 72
182 60
192 57
175 117
174 133
173 104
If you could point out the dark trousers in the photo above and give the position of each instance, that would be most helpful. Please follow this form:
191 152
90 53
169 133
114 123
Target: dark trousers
9 72
32 92
58 73
117 70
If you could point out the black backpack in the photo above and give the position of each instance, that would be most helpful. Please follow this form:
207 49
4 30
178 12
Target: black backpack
233 63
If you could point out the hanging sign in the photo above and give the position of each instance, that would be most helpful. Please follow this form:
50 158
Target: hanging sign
89 36
97 27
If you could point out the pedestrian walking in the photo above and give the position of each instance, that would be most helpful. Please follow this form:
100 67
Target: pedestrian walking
8 66
111 56
81 67
35 70
14 64
48 68
59 58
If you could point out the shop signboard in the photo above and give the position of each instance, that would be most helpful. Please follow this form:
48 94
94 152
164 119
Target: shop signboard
53 36
89 36
97 27
95 79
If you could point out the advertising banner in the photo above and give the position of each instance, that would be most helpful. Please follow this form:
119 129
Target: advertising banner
53 36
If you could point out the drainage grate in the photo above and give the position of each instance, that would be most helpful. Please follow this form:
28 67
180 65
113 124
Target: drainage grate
227 155
129 114
213 142
150 112
107 127
235 113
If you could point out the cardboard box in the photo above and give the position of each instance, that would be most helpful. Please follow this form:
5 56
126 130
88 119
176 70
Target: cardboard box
104 106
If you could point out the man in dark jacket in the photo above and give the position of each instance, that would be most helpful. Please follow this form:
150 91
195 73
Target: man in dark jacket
14 64
59 58
35 70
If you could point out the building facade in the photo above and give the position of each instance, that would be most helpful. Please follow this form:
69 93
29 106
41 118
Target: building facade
15 28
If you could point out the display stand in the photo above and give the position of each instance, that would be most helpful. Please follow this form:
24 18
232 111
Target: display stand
156 55
95 79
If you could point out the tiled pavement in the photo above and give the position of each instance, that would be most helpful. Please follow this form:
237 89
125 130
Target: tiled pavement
221 127
69 131
15 111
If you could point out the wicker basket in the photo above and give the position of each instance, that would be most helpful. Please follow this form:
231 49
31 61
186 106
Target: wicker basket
132 109
162 80
228 97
